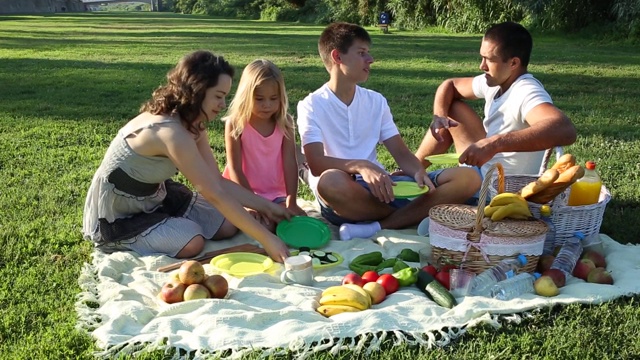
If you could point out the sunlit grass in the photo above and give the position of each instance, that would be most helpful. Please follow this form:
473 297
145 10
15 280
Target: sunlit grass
70 81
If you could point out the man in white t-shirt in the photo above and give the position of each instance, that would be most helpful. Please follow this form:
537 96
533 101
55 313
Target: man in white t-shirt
520 120
341 125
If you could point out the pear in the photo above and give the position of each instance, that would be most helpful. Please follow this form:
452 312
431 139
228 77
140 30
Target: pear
545 286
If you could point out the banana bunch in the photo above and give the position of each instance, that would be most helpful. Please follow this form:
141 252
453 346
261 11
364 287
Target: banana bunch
508 205
343 298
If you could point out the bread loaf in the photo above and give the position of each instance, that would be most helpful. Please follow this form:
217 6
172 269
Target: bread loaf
566 178
570 175
547 178
564 162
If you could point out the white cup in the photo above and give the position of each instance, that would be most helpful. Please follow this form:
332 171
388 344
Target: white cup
297 270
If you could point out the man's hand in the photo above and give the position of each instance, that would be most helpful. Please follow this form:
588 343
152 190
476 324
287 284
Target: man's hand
380 184
441 122
478 153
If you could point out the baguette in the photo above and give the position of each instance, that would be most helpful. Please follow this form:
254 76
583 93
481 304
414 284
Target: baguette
570 175
564 162
547 178
566 179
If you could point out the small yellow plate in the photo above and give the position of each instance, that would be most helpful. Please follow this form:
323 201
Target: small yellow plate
444 158
408 189
241 264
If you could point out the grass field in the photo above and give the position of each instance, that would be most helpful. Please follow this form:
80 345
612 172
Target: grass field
70 81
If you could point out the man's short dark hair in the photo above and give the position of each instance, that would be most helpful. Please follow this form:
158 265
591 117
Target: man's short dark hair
512 39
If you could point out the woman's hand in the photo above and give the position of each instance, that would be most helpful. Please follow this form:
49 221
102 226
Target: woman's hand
276 249
296 210
277 213
263 220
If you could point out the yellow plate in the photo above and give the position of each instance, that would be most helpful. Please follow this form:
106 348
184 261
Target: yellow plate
241 264
408 189
444 158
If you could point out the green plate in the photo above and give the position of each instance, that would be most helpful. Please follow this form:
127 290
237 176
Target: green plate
444 158
324 266
241 264
303 231
408 189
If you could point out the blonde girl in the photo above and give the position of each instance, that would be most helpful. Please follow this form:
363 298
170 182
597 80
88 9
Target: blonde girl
259 138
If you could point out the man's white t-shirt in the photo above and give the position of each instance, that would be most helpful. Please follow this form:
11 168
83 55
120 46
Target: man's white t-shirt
346 132
507 114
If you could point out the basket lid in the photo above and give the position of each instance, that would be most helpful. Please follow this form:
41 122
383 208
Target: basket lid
454 216
463 217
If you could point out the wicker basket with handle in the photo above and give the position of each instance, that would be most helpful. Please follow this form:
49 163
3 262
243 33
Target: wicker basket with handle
461 233
567 219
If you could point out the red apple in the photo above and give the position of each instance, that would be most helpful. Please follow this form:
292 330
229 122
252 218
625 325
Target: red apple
600 275
544 263
596 257
376 292
582 269
353 278
217 286
557 276
370 276
389 282
191 272
172 292
195 292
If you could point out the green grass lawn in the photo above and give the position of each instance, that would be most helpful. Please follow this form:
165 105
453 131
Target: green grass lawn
69 81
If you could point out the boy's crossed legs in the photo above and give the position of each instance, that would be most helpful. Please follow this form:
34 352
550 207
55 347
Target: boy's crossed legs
345 201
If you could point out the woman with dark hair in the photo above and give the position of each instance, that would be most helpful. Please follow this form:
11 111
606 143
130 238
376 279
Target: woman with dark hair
133 204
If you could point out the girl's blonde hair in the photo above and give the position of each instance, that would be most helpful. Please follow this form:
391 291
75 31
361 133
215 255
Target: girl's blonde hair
255 74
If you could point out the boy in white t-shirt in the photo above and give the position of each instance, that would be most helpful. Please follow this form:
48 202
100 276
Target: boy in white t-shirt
340 126
520 120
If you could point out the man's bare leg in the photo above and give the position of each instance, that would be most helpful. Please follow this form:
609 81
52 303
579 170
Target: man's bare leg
468 131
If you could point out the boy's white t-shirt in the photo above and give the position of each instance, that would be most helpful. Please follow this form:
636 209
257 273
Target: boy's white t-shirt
507 114
346 132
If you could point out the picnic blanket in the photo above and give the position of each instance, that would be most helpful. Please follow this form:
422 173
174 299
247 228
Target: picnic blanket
119 306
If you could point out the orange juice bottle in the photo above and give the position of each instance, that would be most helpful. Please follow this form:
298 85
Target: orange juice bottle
586 190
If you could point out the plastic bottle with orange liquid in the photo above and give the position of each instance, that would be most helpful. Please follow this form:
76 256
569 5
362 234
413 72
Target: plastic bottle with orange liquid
586 190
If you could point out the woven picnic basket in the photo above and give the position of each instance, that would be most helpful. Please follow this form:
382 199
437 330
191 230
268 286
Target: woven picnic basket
462 234
567 219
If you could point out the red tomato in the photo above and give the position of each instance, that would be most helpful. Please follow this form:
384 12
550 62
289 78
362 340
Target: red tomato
430 269
389 283
443 278
448 267
353 278
370 276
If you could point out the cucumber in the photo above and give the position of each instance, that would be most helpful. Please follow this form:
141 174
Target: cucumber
441 295
332 258
319 254
434 290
